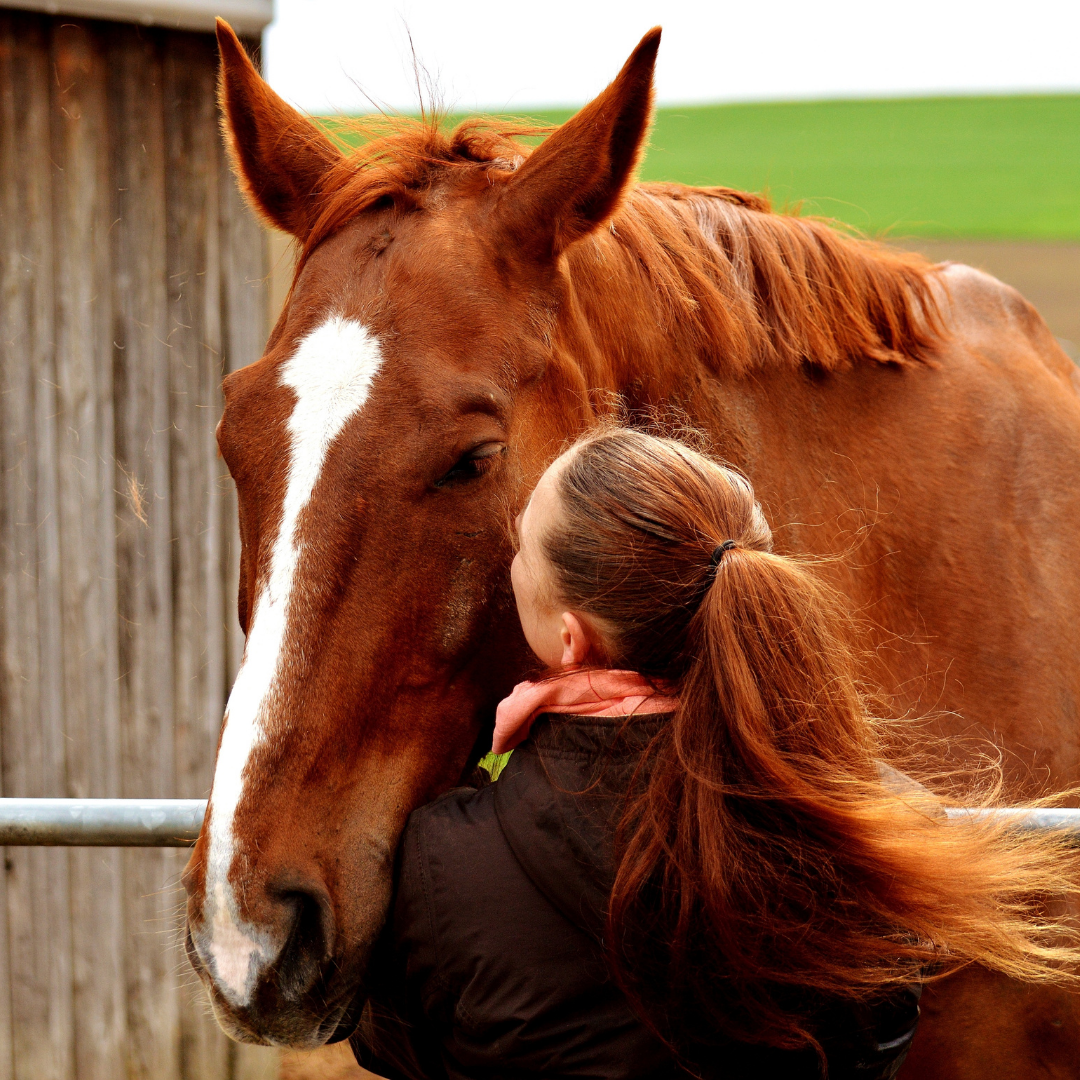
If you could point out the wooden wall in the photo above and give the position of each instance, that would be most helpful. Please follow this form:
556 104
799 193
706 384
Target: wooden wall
131 278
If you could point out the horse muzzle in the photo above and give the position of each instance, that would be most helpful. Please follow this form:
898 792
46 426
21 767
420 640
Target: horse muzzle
280 981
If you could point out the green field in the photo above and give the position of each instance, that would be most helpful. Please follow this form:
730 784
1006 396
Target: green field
961 167
986 166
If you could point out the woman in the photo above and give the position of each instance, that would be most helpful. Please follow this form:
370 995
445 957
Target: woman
695 861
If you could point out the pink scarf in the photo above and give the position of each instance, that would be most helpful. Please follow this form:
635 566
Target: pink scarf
583 693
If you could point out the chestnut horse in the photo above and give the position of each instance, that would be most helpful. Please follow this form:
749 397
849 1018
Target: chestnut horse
462 306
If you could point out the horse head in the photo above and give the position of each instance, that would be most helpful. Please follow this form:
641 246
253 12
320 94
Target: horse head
427 365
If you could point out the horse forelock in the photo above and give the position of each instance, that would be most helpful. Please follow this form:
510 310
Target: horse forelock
330 373
400 157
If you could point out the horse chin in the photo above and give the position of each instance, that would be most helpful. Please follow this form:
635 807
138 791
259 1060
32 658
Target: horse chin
298 1028
271 1021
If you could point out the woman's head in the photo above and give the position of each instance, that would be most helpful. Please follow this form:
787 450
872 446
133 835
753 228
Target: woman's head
618 547
761 854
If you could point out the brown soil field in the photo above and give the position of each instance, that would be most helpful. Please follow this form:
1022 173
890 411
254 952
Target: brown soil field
330 1063
1047 274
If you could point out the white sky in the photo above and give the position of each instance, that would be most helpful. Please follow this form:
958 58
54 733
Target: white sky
509 55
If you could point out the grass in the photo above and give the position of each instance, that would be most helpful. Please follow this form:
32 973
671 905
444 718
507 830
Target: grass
1004 167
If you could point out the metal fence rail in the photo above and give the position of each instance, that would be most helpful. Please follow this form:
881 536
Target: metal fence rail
101 822
176 822
1068 820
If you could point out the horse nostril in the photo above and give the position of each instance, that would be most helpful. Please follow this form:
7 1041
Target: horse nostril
308 946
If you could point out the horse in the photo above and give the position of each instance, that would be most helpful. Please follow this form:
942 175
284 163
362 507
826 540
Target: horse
464 304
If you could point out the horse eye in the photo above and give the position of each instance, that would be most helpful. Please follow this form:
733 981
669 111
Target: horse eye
472 465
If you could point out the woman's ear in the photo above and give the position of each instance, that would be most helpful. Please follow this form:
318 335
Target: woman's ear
580 640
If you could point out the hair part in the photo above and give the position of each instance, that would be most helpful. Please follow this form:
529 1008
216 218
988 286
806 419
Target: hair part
766 863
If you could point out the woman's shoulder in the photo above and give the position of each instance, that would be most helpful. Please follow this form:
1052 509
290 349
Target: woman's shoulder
460 807
501 974
445 844
540 838
453 830
529 843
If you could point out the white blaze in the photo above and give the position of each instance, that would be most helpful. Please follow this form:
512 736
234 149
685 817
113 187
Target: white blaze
331 374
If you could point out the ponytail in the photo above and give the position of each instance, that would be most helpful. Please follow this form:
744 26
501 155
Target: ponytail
765 863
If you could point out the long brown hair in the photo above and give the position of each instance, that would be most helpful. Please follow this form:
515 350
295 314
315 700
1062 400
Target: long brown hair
765 861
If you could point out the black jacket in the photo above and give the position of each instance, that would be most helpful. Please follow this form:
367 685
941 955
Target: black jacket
492 966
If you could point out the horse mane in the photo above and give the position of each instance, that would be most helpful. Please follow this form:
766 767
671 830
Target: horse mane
748 284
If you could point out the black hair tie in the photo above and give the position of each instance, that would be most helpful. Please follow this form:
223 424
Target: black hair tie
718 554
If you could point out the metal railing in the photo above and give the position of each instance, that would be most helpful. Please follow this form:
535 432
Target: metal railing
101 822
1067 820
176 822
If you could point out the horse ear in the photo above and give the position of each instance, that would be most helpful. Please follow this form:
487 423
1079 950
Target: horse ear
279 155
574 181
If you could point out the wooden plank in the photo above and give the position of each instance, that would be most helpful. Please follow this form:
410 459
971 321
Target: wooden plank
246 16
83 321
245 289
32 727
144 557
283 251
194 261
131 277
7 1060
195 349
245 272
15 688
18 693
